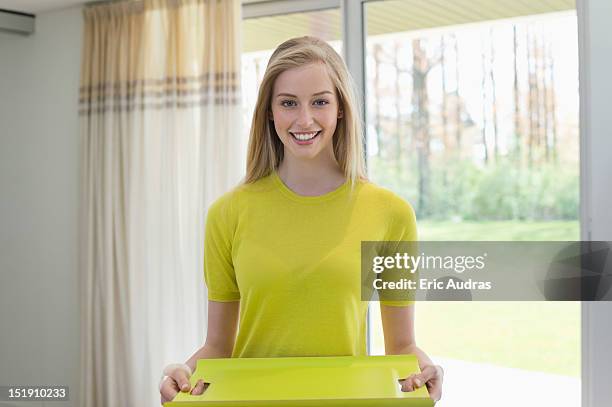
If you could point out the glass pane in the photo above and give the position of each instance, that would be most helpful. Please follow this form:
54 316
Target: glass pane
472 117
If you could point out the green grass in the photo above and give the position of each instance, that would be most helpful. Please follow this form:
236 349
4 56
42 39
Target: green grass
539 336
501 230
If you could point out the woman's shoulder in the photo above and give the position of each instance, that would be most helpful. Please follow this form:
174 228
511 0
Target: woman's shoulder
233 199
382 197
393 211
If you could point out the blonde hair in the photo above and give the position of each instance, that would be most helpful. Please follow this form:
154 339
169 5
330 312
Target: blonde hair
265 150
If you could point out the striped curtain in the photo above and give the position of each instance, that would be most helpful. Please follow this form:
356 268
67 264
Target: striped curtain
160 115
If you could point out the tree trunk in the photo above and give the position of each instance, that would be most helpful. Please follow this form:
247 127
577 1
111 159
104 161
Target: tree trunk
484 104
458 110
546 95
553 106
398 113
420 123
517 114
531 99
377 96
493 98
444 112
541 93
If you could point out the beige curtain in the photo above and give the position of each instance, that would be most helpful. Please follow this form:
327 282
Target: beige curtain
160 116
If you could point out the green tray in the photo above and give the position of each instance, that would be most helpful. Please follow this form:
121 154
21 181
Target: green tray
305 381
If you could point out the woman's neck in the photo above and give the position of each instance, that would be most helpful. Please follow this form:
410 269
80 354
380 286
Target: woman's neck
311 179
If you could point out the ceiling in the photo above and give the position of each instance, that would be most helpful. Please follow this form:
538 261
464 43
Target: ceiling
40 6
473 7
392 16
383 17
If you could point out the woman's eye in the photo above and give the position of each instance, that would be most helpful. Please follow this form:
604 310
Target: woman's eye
288 103
321 102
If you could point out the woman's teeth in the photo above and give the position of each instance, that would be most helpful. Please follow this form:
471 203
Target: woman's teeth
305 136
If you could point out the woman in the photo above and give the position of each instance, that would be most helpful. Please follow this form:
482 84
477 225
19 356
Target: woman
282 250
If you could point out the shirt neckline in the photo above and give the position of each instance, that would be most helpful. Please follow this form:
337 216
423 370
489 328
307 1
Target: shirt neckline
289 193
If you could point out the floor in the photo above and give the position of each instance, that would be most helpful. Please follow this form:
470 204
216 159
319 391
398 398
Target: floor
479 385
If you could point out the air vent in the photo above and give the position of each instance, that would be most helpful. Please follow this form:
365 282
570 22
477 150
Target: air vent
16 22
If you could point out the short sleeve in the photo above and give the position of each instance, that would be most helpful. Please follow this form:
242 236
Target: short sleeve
403 222
219 271
402 227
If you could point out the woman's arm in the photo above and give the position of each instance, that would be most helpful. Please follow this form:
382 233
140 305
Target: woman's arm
220 338
398 327
220 334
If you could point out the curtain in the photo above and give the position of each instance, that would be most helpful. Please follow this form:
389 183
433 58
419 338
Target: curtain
161 139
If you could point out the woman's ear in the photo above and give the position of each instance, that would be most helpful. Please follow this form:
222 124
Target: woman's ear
270 116
340 113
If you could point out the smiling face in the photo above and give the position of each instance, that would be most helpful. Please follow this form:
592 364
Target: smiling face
305 111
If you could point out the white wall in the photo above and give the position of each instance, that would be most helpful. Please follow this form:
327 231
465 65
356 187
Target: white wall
39 167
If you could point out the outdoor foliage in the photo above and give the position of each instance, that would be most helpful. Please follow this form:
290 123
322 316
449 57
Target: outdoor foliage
462 190
478 124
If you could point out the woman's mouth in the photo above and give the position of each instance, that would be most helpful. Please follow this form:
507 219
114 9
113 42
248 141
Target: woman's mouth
304 137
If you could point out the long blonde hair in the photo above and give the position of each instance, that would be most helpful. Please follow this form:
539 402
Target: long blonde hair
265 150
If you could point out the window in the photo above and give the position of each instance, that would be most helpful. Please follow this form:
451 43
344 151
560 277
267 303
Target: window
472 117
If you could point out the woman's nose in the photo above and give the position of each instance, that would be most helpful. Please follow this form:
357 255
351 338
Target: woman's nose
304 119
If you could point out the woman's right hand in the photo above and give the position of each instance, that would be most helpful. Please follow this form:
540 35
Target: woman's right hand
177 379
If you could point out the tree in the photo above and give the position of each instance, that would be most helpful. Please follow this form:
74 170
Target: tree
484 104
493 97
517 114
398 112
377 96
532 97
458 107
421 65
552 101
444 112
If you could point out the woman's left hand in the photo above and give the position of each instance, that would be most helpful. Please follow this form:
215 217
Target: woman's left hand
431 376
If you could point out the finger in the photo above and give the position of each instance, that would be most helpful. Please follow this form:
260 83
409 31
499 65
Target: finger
198 388
428 373
182 379
407 383
169 389
435 393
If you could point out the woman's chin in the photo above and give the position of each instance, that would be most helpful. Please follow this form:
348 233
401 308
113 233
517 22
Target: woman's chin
304 155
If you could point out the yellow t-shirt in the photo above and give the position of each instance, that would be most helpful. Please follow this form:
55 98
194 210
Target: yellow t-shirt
293 262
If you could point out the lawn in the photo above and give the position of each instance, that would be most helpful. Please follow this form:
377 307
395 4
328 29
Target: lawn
501 230
539 336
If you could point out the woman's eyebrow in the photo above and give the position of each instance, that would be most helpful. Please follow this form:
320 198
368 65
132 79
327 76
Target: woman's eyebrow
314 94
